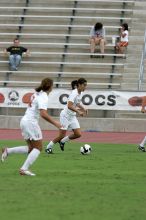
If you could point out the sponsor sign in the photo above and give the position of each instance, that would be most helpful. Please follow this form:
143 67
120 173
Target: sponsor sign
92 99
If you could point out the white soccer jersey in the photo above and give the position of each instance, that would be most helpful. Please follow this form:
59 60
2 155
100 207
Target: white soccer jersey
39 100
74 97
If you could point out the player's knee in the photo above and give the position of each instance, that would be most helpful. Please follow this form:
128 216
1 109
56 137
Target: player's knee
61 136
78 135
40 148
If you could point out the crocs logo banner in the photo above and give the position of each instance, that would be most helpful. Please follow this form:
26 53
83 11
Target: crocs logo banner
92 99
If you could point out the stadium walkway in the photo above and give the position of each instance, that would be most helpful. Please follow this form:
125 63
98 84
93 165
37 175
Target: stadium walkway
100 137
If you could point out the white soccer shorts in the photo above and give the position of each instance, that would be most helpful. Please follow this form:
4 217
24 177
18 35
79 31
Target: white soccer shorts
30 130
68 122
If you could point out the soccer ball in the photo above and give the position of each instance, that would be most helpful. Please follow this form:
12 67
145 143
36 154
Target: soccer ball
86 149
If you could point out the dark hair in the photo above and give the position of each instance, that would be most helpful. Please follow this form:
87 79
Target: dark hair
74 84
16 39
98 26
45 85
81 81
125 26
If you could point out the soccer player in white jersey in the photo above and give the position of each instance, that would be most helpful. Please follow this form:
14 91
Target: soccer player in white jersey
30 128
68 117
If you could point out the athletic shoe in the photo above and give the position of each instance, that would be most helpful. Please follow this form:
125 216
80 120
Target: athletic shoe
141 148
61 145
4 154
26 172
49 150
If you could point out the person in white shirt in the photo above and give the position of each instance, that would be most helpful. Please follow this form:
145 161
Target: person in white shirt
123 43
30 128
97 37
68 117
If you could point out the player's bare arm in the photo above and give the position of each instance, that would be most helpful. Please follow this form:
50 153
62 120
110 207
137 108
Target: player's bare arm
82 108
44 115
72 108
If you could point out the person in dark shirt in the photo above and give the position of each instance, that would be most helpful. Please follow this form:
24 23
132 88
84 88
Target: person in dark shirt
15 53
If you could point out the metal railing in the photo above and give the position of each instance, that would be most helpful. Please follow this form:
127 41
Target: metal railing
141 72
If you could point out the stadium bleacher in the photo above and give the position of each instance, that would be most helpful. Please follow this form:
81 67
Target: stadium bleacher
65 46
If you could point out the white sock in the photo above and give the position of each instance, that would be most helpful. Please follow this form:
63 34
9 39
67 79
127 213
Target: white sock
18 150
50 145
33 155
65 139
143 142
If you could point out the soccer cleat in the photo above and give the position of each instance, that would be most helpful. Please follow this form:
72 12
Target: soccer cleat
26 172
61 145
4 154
141 148
49 150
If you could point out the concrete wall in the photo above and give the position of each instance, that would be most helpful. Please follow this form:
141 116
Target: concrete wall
92 124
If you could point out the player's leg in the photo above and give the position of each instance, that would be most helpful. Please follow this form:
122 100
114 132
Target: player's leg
62 132
35 147
74 125
20 149
76 134
142 144
33 136
49 147
14 150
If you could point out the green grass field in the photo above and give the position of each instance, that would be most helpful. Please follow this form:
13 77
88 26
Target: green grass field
108 184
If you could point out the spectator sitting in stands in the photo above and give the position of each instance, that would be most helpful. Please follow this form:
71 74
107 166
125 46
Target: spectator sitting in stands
15 54
97 37
123 43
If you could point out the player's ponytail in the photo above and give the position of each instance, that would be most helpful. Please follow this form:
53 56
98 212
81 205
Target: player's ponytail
74 84
38 89
45 85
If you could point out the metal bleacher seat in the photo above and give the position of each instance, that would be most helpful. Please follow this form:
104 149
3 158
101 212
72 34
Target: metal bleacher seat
24 83
58 41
